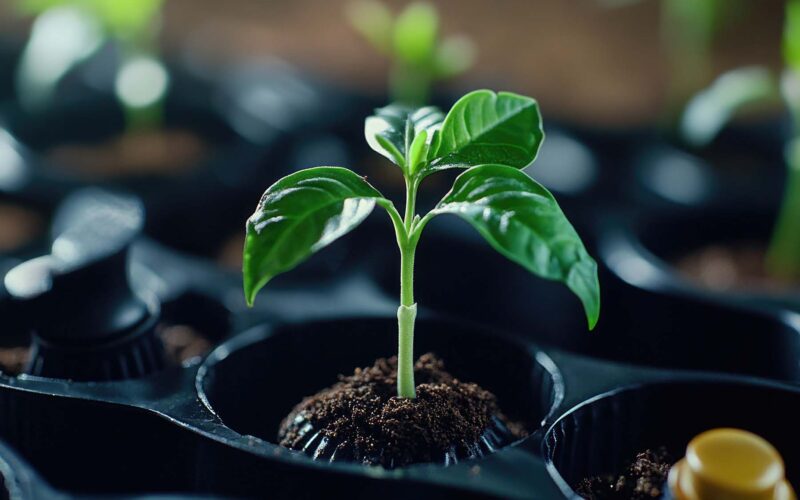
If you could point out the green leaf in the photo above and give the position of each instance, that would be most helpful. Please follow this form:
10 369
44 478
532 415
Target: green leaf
415 33
523 221
791 35
710 110
391 130
484 127
299 215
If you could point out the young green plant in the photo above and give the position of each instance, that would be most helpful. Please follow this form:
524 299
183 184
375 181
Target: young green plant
411 42
492 136
66 32
710 110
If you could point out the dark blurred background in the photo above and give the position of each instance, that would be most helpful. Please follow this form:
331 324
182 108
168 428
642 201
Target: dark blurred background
591 61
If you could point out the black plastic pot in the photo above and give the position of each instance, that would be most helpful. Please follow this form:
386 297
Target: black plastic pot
521 380
642 250
598 436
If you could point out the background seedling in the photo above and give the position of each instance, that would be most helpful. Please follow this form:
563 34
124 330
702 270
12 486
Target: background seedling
66 32
709 111
411 41
492 136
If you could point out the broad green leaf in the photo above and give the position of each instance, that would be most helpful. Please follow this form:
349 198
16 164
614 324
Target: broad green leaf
391 130
415 33
523 221
484 127
299 215
710 110
791 35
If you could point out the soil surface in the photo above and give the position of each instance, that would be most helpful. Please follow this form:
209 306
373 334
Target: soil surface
182 343
734 267
160 152
230 253
13 359
363 412
644 478
18 226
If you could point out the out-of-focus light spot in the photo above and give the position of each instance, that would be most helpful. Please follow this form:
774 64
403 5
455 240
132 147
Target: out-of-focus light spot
141 82
632 268
564 165
13 173
60 38
678 178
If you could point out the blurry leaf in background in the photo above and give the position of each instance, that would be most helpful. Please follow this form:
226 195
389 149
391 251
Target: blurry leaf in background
66 32
411 41
709 111
124 19
373 21
791 35
454 56
60 38
415 33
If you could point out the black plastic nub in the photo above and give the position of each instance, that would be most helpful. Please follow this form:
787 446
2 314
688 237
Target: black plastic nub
87 322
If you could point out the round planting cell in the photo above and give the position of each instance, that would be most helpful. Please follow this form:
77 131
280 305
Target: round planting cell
601 435
253 381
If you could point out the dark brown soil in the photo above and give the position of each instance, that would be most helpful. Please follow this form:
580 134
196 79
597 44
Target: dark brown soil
230 254
182 343
18 226
161 152
732 267
363 413
13 359
644 478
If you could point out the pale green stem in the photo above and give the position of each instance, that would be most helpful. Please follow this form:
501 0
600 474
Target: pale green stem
407 312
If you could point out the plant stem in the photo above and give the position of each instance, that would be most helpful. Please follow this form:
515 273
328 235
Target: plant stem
407 312
783 257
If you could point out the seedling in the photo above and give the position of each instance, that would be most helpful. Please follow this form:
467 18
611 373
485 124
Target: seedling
710 110
411 41
492 136
66 32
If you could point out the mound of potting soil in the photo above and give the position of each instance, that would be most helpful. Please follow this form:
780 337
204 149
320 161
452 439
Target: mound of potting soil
366 420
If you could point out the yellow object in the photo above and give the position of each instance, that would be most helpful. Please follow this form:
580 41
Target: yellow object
730 464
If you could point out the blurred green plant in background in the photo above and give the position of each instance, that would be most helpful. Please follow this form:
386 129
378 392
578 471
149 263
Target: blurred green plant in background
66 32
710 110
412 42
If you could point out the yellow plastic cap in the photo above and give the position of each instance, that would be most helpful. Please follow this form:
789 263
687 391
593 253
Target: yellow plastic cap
730 464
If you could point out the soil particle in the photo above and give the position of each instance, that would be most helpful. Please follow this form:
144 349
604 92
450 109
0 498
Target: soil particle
363 413
162 152
644 478
734 267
